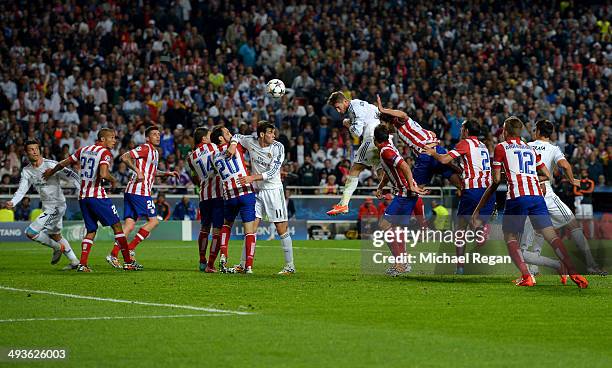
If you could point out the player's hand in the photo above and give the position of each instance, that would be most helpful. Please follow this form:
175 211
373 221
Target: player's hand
576 182
379 193
346 123
231 150
47 174
244 180
418 190
543 189
428 150
9 205
379 103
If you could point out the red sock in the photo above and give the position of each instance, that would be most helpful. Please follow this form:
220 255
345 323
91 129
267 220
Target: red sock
115 251
122 241
460 251
214 250
419 212
226 232
86 245
249 244
561 252
202 245
517 257
141 235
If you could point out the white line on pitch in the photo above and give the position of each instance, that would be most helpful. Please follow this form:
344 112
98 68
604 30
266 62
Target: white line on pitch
178 306
189 246
112 317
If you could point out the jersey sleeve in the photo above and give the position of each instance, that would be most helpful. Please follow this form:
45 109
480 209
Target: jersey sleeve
71 177
391 158
106 158
139 152
499 156
24 186
75 157
462 148
558 155
279 157
242 140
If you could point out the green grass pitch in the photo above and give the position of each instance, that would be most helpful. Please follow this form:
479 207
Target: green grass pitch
328 314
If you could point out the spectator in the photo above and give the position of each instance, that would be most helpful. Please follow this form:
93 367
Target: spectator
185 210
290 205
308 175
440 219
36 212
162 207
6 215
22 212
329 185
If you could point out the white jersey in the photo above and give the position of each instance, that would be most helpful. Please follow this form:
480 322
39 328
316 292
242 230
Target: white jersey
364 119
266 161
50 190
549 155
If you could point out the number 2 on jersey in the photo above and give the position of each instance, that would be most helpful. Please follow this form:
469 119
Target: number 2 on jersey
87 172
485 160
230 164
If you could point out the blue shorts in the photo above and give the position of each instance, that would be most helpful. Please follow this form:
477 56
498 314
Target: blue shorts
211 212
518 209
469 200
426 166
135 206
96 210
400 210
245 204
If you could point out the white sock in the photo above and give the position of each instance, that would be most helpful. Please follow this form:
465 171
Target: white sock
349 188
583 245
68 252
536 259
287 245
243 257
43 238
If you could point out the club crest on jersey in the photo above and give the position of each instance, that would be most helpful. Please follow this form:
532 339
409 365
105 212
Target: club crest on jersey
269 154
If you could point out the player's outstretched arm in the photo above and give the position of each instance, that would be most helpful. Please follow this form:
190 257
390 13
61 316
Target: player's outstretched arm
24 186
496 174
405 169
443 159
60 165
383 182
397 113
568 171
129 161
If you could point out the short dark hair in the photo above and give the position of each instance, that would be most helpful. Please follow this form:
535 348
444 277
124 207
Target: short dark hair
32 141
381 134
545 127
150 129
216 134
104 132
263 126
336 97
514 126
472 127
199 134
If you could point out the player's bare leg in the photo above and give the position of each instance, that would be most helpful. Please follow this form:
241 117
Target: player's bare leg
349 188
555 242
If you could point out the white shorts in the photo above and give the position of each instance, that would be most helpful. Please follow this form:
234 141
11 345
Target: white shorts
50 221
560 215
367 154
270 205
583 211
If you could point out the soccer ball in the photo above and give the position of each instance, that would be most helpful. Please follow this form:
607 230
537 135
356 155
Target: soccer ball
276 88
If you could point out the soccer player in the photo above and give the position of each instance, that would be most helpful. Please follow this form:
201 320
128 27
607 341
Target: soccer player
362 119
239 198
95 206
267 156
397 172
419 139
47 227
200 161
137 201
560 214
524 199
476 177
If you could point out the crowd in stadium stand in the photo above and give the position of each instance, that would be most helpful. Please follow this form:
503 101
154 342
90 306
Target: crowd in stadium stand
70 68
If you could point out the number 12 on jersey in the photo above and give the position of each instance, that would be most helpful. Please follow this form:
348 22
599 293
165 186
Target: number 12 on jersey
526 162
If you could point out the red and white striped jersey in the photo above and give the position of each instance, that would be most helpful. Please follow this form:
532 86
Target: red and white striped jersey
201 161
390 160
475 161
520 163
147 158
414 135
231 169
91 157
